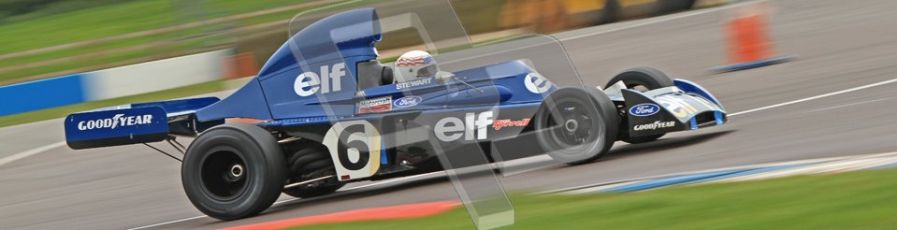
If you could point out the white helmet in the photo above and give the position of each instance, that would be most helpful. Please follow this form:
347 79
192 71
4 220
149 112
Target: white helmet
415 64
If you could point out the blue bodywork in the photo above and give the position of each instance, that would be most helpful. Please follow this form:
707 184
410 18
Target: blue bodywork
346 38
314 81
271 96
135 123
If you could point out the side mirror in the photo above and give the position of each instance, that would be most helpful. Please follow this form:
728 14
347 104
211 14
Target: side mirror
444 77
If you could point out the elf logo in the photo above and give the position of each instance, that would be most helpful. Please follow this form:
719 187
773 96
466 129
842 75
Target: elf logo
309 83
536 83
474 126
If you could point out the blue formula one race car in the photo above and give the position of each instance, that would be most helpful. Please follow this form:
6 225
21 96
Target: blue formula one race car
333 116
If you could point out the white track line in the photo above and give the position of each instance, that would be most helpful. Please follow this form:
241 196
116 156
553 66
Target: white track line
30 152
294 199
388 181
644 22
166 223
45 148
757 110
562 36
828 167
630 26
815 97
650 21
563 189
574 189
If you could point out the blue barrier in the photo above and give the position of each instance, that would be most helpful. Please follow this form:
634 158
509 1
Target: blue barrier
41 94
112 83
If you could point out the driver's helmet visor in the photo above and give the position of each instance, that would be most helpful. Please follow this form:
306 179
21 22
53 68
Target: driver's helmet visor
427 71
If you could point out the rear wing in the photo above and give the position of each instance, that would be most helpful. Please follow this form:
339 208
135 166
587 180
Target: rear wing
137 123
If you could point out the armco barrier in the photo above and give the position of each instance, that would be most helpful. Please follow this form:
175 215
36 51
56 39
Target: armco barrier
111 83
42 94
156 75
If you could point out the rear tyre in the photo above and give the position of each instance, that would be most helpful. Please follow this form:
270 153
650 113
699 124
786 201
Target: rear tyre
312 161
641 79
233 171
576 126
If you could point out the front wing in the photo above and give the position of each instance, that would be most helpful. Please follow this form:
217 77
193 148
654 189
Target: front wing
685 106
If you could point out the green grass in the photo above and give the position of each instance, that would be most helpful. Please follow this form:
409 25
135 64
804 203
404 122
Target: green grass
59 112
856 200
49 27
115 19
49 30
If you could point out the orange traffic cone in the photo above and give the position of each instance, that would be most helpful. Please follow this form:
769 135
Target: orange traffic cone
748 42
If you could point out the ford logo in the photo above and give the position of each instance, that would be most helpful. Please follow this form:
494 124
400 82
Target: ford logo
408 101
644 109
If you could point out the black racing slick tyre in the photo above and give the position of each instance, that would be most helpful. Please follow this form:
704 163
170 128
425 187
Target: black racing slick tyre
649 78
311 161
641 79
233 171
576 126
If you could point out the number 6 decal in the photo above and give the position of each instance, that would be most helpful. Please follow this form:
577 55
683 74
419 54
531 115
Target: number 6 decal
355 149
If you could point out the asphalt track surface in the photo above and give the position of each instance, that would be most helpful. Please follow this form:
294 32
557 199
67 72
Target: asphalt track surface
839 45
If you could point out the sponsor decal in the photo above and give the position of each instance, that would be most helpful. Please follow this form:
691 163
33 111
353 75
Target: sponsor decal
504 123
644 109
473 126
535 83
119 120
680 108
654 126
406 102
415 83
309 83
354 147
376 105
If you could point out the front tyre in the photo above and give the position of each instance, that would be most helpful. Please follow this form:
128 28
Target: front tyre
233 171
641 79
576 126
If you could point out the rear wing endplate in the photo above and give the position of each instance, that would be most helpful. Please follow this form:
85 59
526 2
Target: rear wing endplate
136 123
